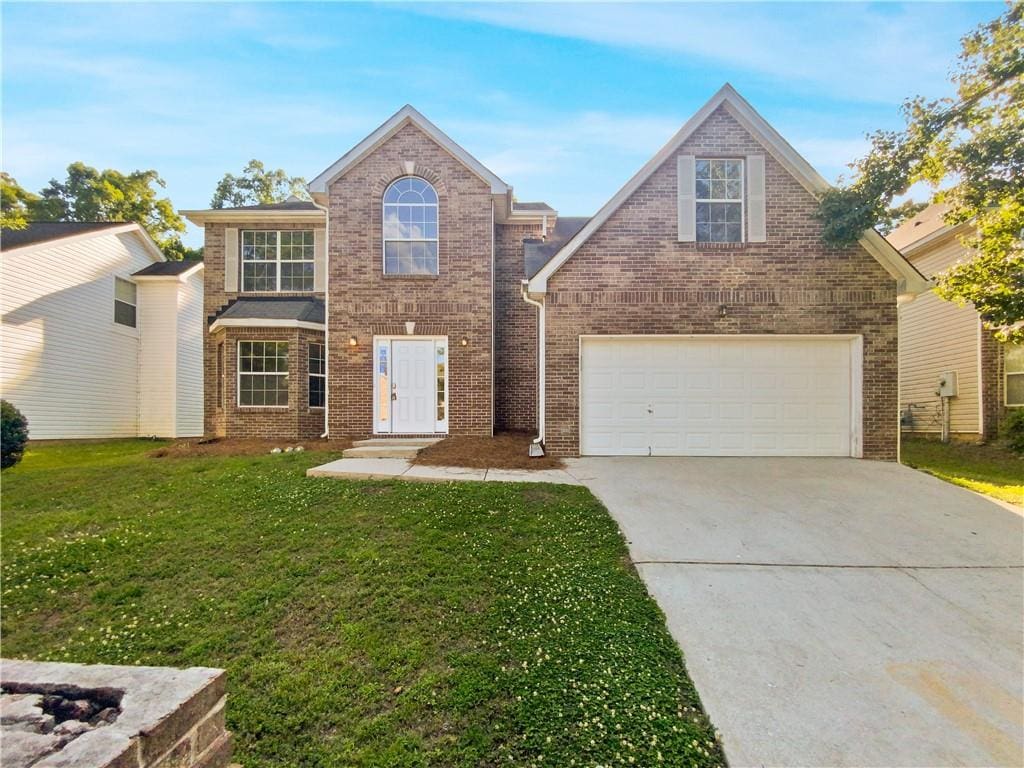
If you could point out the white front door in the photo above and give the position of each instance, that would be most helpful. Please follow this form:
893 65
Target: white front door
414 386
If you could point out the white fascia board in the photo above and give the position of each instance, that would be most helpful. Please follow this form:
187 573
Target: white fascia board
911 281
940 234
262 322
226 215
391 126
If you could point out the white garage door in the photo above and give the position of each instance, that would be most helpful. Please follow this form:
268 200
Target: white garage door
718 396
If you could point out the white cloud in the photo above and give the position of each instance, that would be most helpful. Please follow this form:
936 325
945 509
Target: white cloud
849 51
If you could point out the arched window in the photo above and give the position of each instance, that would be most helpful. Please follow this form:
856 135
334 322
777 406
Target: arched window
410 228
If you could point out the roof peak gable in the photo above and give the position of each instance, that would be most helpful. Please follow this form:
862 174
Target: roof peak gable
405 116
781 150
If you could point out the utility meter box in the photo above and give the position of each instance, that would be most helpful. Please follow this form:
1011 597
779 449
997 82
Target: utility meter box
947 384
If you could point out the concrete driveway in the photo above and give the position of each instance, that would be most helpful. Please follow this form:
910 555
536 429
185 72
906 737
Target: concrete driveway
833 612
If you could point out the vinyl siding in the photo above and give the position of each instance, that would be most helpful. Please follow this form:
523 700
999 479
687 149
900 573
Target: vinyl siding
158 310
938 336
71 370
189 373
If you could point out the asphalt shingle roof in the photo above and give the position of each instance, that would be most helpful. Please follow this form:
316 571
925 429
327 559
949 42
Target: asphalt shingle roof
275 308
166 268
44 231
537 253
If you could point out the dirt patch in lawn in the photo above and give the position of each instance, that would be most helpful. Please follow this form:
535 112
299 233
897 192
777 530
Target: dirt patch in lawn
190 449
506 450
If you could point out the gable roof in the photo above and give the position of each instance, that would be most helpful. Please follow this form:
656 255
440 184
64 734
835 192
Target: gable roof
40 233
389 128
926 224
45 231
910 280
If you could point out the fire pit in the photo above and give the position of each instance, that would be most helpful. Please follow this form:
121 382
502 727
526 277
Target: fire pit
97 716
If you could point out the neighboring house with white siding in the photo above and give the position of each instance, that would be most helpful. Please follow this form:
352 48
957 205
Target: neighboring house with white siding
937 336
101 336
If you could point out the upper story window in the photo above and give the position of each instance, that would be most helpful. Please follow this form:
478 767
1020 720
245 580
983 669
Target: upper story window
125 302
410 228
277 260
719 188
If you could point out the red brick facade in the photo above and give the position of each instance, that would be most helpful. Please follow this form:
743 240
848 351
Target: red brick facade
515 334
364 302
223 416
631 277
634 277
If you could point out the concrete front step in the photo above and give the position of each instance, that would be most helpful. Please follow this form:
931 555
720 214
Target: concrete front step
388 448
422 442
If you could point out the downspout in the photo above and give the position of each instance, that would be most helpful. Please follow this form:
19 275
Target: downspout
327 324
541 344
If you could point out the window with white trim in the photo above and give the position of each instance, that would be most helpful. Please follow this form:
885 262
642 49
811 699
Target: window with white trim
1013 366
263 373
410 227
125 302
277 260
317 375
719 188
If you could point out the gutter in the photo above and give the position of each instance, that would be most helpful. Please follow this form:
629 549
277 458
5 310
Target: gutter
327 314
537 446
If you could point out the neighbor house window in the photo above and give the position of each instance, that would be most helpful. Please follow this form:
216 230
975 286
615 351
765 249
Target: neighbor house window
719 201
275 260
1014 366
263 373
410 228
317 376
125 304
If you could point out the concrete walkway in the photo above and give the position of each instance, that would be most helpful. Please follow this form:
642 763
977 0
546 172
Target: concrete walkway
833 612
380 469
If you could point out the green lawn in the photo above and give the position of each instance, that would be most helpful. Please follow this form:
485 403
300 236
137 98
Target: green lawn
361 623
988 469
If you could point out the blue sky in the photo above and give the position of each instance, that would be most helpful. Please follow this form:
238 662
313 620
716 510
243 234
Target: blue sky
563 101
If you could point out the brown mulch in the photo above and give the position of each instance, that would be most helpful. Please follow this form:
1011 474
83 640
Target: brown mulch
506 450
188 449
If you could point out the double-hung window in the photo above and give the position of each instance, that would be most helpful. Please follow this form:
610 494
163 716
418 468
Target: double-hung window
277 260
1014 367
263 373
125 302
719 188
317 375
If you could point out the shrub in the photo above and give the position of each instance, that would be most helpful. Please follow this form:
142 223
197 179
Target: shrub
13 435
1012 430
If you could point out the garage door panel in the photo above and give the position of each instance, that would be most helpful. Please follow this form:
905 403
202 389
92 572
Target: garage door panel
716 396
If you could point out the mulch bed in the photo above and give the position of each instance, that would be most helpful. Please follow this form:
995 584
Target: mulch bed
190 449
506 450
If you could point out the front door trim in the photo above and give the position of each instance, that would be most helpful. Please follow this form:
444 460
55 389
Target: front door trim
383 410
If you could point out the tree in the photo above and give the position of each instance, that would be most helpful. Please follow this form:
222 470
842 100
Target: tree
90 195
257 186
970 150
14 203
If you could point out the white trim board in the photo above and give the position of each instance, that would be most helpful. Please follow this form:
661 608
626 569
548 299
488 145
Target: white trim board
389 128
909 279
257 322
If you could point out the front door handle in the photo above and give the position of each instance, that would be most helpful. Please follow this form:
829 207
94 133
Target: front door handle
394 391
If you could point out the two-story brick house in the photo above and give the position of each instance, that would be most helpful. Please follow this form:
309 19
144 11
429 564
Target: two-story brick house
696 313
